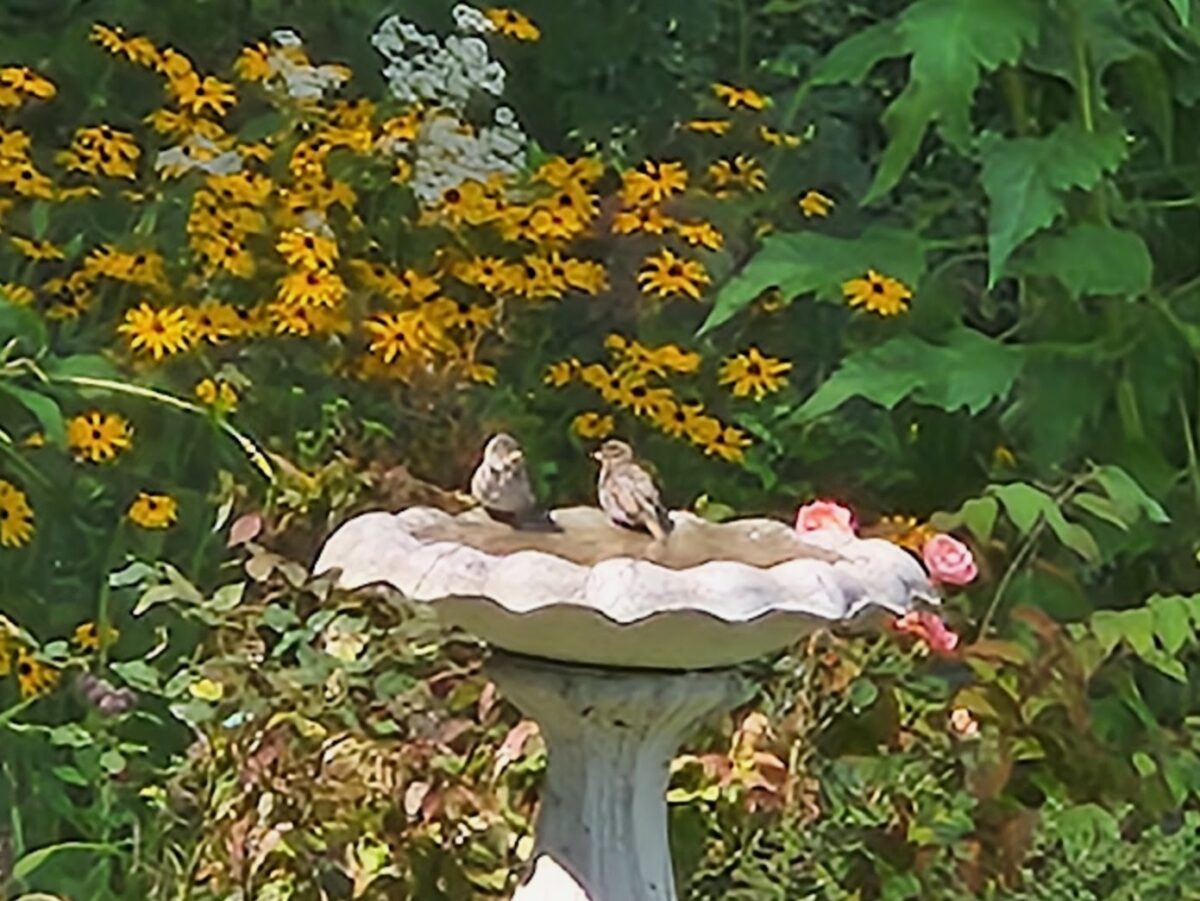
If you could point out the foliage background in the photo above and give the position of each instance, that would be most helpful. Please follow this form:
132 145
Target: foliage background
1027 168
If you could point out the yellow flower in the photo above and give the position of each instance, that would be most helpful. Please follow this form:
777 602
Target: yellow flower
752 373
561 373
740 172
560 172
511 23
1003 456
17 80
733 97
878 293
651 360
207 690
700 234
648 219
102 150
153 511
18 295
35 249
141 268
136 49
906 531
217 393
159 333
686 421
313 287
33 676
98 437
489 273
593 425
7 642
471 202
213 321
728 444
653 183
814 203
709 126
200 95
253 63
34 440
87 636
642 399
306 250
16 516
394 334
665 274
778 138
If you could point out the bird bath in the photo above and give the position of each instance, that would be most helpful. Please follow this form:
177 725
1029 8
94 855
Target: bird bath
618 646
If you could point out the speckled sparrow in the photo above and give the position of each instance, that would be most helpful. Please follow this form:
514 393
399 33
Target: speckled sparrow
627 492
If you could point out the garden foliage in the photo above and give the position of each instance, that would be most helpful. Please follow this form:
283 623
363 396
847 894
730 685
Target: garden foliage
266 265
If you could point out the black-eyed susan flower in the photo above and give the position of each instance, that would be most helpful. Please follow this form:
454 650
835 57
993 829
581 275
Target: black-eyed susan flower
512 24
906 531
253 63
708 126
153 511
665 274
778 138
312 287
18 295
489 273
213 322
740 172
16 516
653 183
136 49
560 172
734 97
814 203
561 373
593 426
98 437
159 332
20 82
686 420
700 234
89 637
35 249
394 335
217 393
102 150
878 293
752 373
201 95
306 250
648 219
33 676
729 443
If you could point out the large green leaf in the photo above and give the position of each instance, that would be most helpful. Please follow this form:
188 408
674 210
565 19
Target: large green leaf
968 370
1183 9
853 59
799 262
945 72
1026 180
1093 259
44 408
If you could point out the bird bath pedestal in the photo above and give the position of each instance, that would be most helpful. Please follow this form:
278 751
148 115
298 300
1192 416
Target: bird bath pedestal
618 647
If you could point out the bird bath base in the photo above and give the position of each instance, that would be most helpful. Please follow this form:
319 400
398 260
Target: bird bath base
610 735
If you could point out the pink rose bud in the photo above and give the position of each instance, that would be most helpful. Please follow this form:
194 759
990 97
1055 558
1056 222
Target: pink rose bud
821 516
930 629
949 560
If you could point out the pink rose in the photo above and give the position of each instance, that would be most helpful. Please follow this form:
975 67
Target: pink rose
929 628
821 516
949 560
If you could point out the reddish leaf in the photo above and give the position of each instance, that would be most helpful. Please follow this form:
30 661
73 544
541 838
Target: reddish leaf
245 528
513 745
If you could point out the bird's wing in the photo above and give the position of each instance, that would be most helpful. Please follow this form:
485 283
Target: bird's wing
636 493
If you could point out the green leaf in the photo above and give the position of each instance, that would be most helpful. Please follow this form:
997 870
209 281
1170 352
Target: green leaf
44 409
1172 622
1072 534
979 515
1128 496
1092 259
854 58
1183 9
969 370
71 735
1144 763
1023 503
1086 829
863 693
25 866
800 262
1102 508
944 74
1026 180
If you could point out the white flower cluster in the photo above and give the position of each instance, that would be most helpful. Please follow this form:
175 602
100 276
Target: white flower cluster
291 69
198 152
446 75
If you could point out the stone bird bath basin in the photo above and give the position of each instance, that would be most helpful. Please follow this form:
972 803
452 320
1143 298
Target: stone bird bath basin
618 646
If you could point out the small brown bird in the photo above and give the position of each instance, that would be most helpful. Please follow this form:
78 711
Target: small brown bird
628 493
501 484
